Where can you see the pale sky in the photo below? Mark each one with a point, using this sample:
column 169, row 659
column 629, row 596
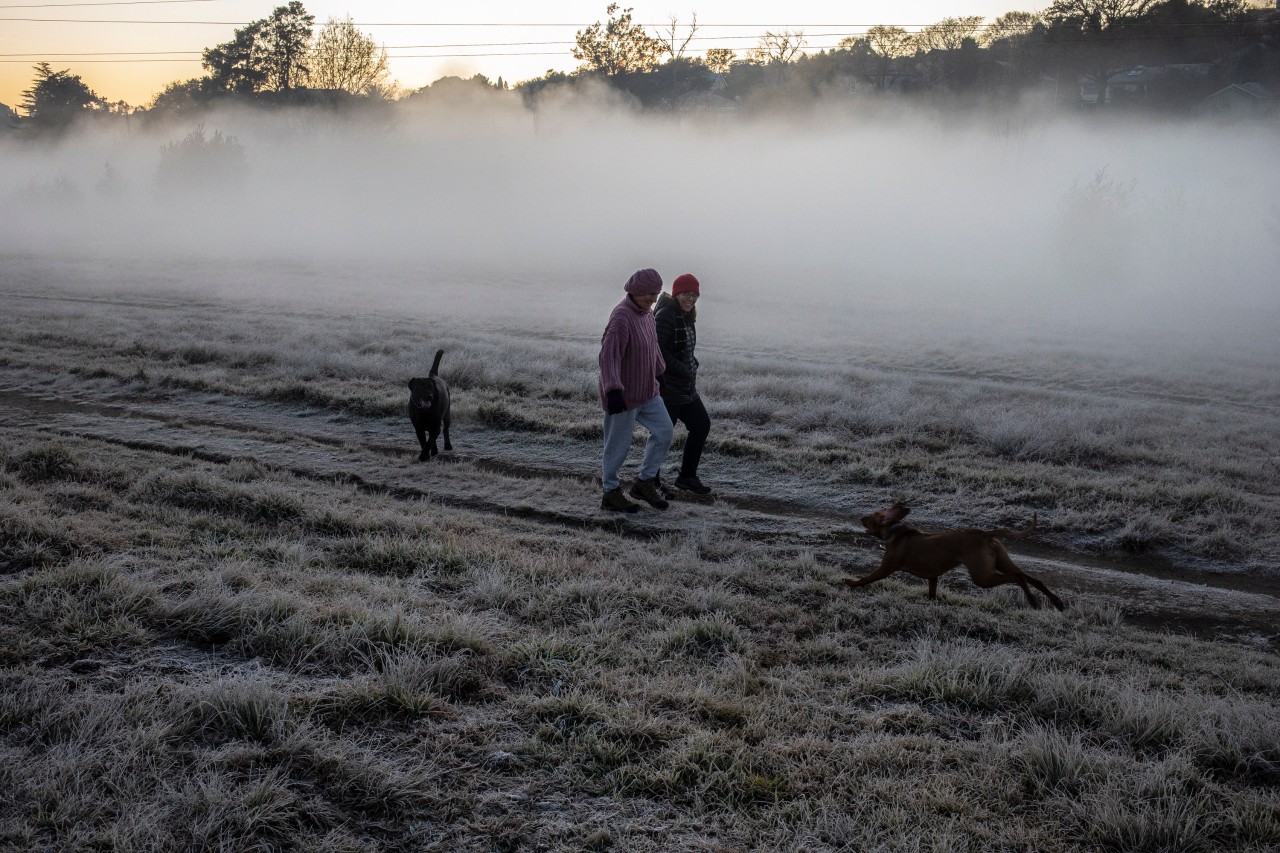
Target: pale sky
column 424, row 40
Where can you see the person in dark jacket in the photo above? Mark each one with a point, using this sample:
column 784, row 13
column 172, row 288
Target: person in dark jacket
column 676, row 315
column 631, row 368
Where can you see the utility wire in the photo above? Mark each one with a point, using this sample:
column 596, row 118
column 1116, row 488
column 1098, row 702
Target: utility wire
column 390, row 47
column 842, row 35
column 23, row 57
column 666, row 25
column 490, row 55
column 111, row 3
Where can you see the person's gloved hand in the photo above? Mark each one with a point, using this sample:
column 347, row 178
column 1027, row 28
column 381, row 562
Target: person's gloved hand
column 614, row 404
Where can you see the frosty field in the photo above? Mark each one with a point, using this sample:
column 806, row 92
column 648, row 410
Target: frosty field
column 236, row 613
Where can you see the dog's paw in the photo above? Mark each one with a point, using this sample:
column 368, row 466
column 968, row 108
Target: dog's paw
column 424, row 456
column 850, row 582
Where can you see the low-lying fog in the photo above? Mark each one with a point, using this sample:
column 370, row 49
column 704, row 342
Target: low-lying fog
column 819, row 226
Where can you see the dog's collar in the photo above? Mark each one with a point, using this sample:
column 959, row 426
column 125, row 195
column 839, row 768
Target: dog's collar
column 892, row 529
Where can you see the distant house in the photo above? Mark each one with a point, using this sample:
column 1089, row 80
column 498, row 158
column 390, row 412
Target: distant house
column 1133, row 84
column 1240, row 100
column 8, row 119
column 1138, row 84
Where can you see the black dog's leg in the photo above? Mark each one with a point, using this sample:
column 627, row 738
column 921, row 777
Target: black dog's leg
column 448, row 445
column 422, row 440
column 432, row 448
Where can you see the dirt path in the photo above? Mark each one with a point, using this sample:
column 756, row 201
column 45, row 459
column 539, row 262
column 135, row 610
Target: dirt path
column 551, row 480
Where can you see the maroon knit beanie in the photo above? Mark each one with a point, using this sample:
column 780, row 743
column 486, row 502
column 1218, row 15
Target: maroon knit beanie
column 644, row 283
column 684, row 284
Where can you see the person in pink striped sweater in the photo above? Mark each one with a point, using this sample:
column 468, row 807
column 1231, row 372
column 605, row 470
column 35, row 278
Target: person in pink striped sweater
column 631, row 368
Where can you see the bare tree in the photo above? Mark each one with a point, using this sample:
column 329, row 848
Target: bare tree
column 943, row 41
column 888, row 44
column 676, row 47
column 342, row 57
column 949, row 33
column 720, row 59
column 618, row 46
column 1010, row 26
column 778, row 47
column 1097, row 16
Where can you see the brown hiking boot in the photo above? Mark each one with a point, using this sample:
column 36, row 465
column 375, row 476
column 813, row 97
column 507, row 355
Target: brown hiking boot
column 647, row 491
column 616, row 501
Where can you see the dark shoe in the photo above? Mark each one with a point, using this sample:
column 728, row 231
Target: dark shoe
column 647, row 491
column 693, row 484
column 666, row 493
column 616, row 501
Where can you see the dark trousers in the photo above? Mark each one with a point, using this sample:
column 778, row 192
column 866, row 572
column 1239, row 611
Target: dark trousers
column 698, row 422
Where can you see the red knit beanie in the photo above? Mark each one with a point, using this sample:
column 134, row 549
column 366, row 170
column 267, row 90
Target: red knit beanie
column 684, row 284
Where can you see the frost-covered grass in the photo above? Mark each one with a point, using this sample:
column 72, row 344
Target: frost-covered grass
column 1124, row 451
column 229, row 653
column 198, row 654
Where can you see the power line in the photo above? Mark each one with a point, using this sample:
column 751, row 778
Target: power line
column 390, row 47
column 806, row 37
column 169, row 54
column 912, row 29
column 491, row 55
column 109, row 3
column 516, row 25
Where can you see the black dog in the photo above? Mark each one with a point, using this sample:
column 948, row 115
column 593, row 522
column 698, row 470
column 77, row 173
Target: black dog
column 429, row 410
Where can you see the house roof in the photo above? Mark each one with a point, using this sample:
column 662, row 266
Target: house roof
column 1255, row 91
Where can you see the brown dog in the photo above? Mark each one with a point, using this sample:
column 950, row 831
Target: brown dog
column 932, row 555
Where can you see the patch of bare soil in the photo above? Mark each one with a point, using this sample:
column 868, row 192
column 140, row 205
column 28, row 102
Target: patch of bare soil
column 552, row 480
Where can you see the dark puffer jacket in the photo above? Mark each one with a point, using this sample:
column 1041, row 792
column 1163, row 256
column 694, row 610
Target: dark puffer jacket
column 677, row 337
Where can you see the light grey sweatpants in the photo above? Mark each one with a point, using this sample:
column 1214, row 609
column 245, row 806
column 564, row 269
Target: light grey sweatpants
column 618, row 428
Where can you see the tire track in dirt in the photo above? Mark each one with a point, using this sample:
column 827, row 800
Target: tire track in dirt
column 376, row 456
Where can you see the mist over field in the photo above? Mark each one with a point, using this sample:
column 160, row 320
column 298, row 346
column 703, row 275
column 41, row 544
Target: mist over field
column 237, row 612
column 835, row 223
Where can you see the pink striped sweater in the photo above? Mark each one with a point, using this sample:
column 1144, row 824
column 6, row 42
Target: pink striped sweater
column 629, row 355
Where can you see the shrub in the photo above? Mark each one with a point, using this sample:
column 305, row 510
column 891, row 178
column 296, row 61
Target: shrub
column 199, row 164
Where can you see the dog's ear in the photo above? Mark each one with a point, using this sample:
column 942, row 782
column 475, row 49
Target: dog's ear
column 895, row 513
column 411, row 381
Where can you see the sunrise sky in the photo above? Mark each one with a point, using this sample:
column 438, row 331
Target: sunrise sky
column 130, row 49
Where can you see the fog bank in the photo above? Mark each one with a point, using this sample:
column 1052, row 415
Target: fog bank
column 836, row 221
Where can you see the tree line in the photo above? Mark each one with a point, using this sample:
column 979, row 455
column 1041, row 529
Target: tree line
column 285, row 59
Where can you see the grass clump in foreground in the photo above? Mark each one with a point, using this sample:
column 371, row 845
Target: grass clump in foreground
column 208, row 659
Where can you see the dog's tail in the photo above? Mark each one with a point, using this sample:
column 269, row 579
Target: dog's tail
column 1006, row 533
column 435, row 365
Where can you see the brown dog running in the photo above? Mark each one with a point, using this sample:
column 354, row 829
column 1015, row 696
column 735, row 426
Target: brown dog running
column 931, row 555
